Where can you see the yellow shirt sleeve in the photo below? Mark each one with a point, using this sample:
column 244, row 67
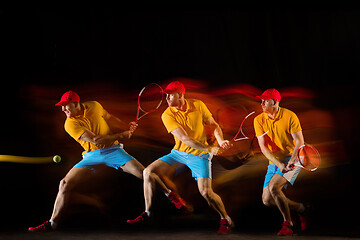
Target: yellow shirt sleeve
column 205, row 111
column 169, row 122
column 294, row 124
column 74, row 128
column 258, row 127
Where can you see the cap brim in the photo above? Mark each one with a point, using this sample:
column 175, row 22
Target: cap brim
column 62, row 103
column 168, row 91
column 263, row 97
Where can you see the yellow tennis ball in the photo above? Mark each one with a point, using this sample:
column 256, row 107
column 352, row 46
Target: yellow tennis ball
column 57, row 158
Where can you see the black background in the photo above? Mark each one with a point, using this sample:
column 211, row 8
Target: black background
column 46, row 53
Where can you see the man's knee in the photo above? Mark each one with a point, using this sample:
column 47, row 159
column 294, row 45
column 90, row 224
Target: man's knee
column 266, row 199
column 274, row 189
column 147, row 173
column 154, row 169
column 206, row 193
column 64, row 186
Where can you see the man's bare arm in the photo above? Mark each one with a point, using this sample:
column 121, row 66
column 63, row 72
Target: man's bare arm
column 114, row 123
column 268, row 154
column 218, row 133
column 181, row 134
column 299, row 141
column 107, row 140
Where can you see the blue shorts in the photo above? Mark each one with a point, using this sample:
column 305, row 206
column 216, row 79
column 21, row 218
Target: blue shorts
column 114, row 157
column 200, row 166
column 289, row 176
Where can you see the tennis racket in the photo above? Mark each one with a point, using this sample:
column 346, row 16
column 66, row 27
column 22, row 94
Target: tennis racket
column 149, row 100
column 307, row 158
column 245, row 129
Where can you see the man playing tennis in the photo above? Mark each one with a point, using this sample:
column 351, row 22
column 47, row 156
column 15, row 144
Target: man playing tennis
column 185, row 119
column 279, row 135
column 91, row 126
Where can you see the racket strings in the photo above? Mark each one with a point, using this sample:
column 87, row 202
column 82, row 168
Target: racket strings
column 309, row 158
column 150, row 98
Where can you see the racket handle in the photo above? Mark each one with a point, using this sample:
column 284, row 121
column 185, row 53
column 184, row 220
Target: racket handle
column 296, row 165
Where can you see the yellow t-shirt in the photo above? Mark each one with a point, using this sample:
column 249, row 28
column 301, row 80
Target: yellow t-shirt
column 192, row 120
column 93, row 121
column 277, row 131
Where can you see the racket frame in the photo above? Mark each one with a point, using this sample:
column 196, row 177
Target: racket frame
column 139, row 106
column 240, row 129
column 298, row 162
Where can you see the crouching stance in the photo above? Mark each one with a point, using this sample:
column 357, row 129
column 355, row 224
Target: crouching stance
column 185, row 118
column 279, row 135
column 92, row 127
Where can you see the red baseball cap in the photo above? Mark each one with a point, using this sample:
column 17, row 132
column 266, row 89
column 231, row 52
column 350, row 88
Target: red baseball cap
column 67, row 98
column 270, row 94
column 175, row 86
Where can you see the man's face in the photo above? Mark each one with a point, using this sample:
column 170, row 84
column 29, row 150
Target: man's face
column 173, row 99
column 267, row 105
column 71, row 109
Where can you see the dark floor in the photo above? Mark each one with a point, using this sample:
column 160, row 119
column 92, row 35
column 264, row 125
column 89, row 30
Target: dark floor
column 330, row 190
column 180, row 234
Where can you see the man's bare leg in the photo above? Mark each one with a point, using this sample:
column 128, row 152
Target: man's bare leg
column 213, row 199
column 270, row 202
column 151, row 180
column 74, row 177
column 134, row 167
column 275, row 188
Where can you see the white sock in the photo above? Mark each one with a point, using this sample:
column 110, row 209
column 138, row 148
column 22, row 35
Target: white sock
column 147, row 213
column 53, row 224
column 167, row 194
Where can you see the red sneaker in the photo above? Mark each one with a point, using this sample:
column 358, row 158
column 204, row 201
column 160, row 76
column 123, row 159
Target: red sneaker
column 224, row 228
column 45, row 227
column 140, row 219
column 180, row 203
column 286, row 229
column 303, row 222
column 304, row 217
